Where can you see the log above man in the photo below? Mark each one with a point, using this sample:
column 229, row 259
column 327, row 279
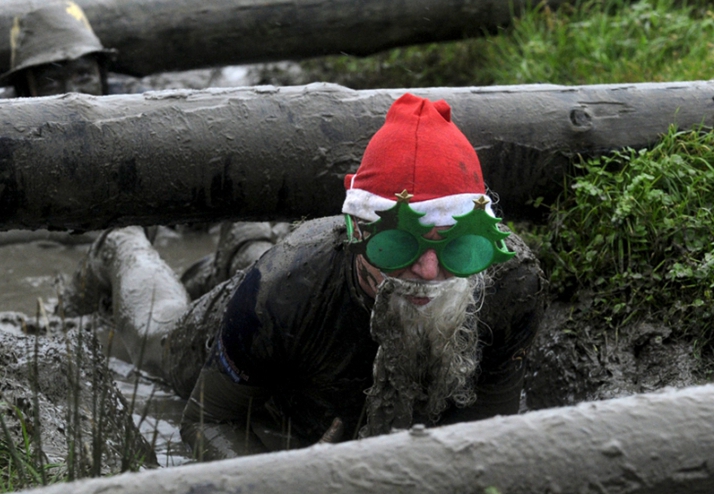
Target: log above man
column 81, row 162
column 415, row 307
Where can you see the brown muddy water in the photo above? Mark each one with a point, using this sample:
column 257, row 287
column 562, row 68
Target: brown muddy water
column 28, row 272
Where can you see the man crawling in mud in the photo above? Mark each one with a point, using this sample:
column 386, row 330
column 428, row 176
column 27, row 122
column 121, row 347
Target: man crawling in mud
column 413, row 308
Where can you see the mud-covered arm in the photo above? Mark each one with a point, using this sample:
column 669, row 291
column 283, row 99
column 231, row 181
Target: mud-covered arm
column 216, row 419
column 509, row 320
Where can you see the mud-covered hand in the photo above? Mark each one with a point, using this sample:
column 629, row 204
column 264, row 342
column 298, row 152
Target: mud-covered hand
column 334, row 433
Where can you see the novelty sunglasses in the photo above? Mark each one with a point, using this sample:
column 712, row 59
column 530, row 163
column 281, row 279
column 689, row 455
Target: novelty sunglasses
column 396, row 240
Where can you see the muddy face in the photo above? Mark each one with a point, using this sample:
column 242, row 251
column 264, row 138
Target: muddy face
column 72, row 76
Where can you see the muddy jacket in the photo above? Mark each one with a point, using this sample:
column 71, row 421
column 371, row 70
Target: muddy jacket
column 294, row 349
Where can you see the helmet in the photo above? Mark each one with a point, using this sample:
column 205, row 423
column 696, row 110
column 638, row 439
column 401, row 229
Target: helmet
column 49, row 34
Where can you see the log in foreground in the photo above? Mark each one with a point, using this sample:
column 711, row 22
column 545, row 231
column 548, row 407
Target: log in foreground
column 85, row 163
column 169, row 35
column 660, row 443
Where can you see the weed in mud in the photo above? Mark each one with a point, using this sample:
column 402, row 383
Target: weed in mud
column 635, row 229
column 19, row 463
column 23, row 462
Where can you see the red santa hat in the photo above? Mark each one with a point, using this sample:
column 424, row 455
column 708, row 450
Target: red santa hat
column 420, row 150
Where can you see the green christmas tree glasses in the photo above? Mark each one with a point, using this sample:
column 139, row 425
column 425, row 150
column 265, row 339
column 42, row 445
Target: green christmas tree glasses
column 396, row 240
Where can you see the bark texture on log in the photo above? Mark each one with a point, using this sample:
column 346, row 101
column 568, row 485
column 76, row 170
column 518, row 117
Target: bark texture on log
column 169, row 35
column 85, row 163
column 660, row 443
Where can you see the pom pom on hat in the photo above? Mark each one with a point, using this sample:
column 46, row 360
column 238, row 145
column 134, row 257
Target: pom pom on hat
column 420, row 150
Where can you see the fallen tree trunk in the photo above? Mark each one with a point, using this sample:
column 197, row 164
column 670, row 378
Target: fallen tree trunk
column 660, row 443
column 85, row 163
column 169, row 35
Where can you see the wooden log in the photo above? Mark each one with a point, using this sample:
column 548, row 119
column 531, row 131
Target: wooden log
column 169, row 35
column 85, row 163
column 661, row 443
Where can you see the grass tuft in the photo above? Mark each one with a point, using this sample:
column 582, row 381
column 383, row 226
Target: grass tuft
column 635, row 229
column 19, row 467
column 606, row 41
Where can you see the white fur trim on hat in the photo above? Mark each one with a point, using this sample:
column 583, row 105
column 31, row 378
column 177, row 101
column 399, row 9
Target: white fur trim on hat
column 439, row 211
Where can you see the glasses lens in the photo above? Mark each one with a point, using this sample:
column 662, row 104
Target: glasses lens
column 467, row 255
column 392, row 249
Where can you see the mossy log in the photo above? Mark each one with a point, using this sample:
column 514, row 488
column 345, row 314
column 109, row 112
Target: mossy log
column 85, row 163
column 661, row 443
column 169, row 35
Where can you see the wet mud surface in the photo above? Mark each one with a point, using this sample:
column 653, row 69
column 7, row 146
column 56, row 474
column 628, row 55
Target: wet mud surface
column 55, row 375
column 572, row 361
column 30, row 271
column 160, row 424
column 569, row 362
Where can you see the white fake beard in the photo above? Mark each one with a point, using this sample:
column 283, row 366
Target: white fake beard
column 427, row 354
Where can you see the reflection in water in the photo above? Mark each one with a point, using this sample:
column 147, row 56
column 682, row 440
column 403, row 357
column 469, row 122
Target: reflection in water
column 28, row 271
column 161, row 425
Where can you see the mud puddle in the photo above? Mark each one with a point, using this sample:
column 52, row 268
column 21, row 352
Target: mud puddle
column 28, row 272
column 160, row 426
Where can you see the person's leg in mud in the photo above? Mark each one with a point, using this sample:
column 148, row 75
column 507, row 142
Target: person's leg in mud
column 147, row 296
column 239, row 245
column 209, row 426
column 152, row 310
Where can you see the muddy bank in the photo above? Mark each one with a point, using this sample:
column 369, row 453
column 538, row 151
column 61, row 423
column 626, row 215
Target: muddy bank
column 609, row 442
column 32, row 270
column 572, row 361
column 56, row 380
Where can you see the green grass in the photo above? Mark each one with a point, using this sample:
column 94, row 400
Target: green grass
column 20, row 465
column 606, row 42
column 23, row 463
column 635, row 229
column 597, row 41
